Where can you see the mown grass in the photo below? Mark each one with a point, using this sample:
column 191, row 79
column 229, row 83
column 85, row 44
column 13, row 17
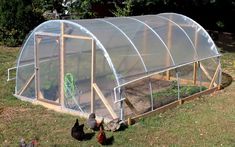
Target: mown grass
column 206, row 121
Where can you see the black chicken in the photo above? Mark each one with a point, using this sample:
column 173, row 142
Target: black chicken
column 77, row 131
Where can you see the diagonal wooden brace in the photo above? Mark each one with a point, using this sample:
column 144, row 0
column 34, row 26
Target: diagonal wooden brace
column 27, row 84
column 207, row 73
column 129, row 104
column 215, row 75
column 104, row 100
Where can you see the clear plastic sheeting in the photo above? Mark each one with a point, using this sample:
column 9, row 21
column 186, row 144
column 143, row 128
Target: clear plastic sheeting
column 204, row 45
column 132, row 53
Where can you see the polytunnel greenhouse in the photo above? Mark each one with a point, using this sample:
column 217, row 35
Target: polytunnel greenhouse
column 120, row 67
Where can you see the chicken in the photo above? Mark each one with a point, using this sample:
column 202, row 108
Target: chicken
column 113, row 125
column 77, row 131
column 92, row 122
column 101, row 137
column 33, row 143
column 22, row 143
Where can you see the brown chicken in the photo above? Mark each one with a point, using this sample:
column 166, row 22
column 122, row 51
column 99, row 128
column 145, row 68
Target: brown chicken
column 101, row 137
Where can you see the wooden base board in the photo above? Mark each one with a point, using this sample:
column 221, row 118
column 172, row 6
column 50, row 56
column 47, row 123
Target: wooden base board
column 172, row 104
column 60, row 109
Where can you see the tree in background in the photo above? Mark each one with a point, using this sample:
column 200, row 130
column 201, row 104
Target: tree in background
column 83, row 9
column 51, row 9
column 17, row 19
column 125, row 9
column 211, row 14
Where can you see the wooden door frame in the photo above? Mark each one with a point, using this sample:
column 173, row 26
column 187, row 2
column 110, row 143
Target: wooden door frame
column 38, row 37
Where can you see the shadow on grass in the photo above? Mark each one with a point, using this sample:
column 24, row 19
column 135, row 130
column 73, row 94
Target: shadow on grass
column 109, row 141
column 226, row 80
column 88, row 136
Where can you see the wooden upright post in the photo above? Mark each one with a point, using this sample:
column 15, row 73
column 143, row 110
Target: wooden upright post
column 62, row 65
column 169, row 43
column 195, row 73
column 195, row 66
column 37, row 89
column 196, row 39
column 93, row 67
column 145, row 40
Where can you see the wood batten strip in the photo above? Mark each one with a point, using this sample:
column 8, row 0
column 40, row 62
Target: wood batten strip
column 77, row 37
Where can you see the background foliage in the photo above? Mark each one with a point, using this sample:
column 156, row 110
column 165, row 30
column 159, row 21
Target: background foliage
column 19, row 17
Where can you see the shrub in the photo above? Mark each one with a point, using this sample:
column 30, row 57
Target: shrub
column 17, row 18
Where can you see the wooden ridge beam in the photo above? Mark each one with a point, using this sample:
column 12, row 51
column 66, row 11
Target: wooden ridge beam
column 77, row 37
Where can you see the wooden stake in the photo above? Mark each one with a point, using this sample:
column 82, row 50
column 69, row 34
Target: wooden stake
column 195, row 73
column 168, row 75
column 180, row 101
column 62, row 51
column 93, row 67
column 104, row 100
column 220, row 74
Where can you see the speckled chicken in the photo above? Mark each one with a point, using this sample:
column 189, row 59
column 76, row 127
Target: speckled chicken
column 77, row 131
column 91, row 122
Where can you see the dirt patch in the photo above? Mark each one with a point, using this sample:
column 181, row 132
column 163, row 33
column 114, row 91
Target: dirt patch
column 7, row 114
column 139, row 94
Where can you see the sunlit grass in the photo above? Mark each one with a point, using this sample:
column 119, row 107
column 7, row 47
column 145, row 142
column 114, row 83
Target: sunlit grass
column 207, row 121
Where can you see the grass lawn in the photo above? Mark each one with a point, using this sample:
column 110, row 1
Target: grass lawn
column 206, row 121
